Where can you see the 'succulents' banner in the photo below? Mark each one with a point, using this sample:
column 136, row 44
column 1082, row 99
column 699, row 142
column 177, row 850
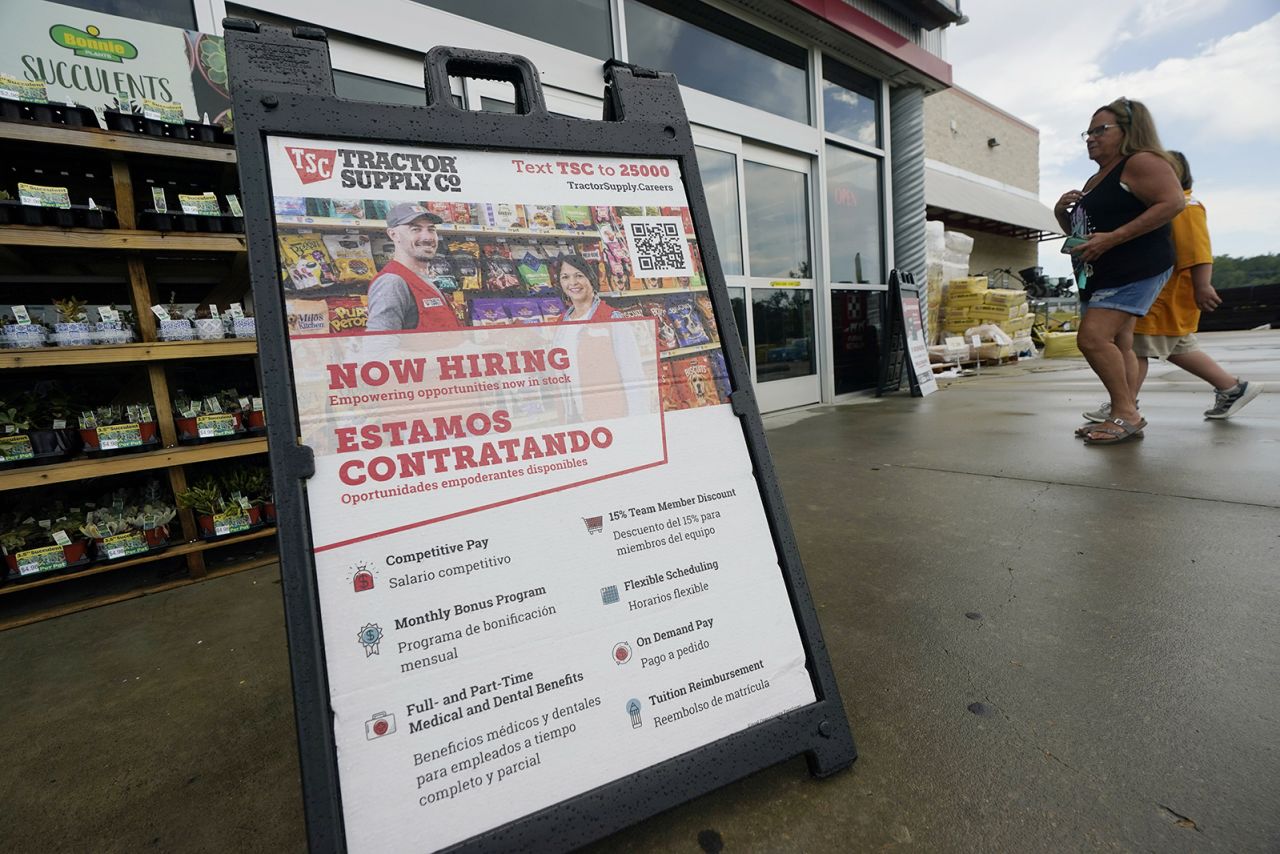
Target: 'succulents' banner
column 542, row 556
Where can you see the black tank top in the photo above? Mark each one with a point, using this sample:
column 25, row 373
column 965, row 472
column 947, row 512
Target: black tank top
column 1107, row 207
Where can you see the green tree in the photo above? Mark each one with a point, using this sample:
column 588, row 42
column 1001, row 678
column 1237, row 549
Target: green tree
column 1232, row 272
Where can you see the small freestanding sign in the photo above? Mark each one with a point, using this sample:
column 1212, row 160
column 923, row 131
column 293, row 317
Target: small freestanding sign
column 538, row 577
column 905, row 344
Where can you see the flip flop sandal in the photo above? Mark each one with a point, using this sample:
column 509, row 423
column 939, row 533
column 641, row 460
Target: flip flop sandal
column 1125, row 433
column 1092, row 427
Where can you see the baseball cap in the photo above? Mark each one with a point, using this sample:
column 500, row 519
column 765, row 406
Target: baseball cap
column 407, row 212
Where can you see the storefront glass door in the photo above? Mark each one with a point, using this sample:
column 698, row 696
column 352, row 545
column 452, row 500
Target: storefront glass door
column 779, row 276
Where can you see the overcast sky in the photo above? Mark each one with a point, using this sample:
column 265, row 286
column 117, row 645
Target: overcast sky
column 1209, row 70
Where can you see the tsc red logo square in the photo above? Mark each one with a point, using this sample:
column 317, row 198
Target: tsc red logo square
column 312, row 164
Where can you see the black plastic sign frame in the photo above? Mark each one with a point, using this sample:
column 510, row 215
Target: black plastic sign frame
column 282, row 85
column 893, row 356
column 896, row 355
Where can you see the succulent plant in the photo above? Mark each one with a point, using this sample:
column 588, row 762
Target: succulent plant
column 71, row 310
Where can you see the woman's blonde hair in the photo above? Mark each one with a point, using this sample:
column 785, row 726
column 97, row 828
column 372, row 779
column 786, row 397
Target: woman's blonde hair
column 1139, row 128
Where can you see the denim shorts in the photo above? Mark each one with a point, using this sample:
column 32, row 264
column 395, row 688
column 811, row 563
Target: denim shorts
column 1134, row 298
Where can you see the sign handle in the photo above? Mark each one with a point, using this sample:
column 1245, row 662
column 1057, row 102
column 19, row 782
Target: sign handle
column 445, row 62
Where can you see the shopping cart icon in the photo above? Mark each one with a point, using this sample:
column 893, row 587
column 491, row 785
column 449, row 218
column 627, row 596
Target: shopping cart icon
column 595, row 524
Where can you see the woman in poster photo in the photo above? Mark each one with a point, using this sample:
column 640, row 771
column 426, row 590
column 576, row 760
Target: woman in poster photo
column 578, row 283
column 608, row 378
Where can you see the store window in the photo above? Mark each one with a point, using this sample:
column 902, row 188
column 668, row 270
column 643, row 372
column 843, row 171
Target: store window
column 581, row 26
column 853, row 216
column 850, row 103
column 717, row 53
column 493, row 105
column 171, row 13
column 782, row 321
column 738, row 300
column 357, row 87
column 719, row 171
column 777, row 222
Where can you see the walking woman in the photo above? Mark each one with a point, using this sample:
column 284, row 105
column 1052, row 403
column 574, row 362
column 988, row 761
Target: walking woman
column 1123, row 254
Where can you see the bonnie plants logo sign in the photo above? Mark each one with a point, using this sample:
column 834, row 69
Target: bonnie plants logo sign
column 90, row 43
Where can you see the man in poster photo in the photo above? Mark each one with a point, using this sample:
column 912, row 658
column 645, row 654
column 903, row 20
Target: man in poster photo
column 402, row 297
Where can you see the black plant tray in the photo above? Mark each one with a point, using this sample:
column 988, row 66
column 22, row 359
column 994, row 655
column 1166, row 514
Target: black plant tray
column 189, row 130
column 15, row 578
column 210, row 538
column 77, row 216
column 132, row 449
column 50, row 114
column 156, row 221
column 154, row 550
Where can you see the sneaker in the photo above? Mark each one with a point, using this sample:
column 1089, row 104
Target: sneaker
column 1101, row 414
column 1230, row 401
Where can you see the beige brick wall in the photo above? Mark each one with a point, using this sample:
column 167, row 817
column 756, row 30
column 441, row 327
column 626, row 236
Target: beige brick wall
column 1015, row 161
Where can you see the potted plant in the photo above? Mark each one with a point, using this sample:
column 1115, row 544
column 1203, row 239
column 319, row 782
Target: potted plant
column 177, row 327
column 207, row 419
column 244, row 327
column 215, row 515
column 72, row 328
column 122, row 417
column 128, row 527
column 31, row 548
column 15, row 427
column 15, row 335
column 52, row 435
column 112, row 331
column 254, row 483
column 255, row 415
column 208, row 327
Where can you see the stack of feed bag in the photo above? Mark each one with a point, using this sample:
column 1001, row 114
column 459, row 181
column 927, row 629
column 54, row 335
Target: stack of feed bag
column 961, row 297
column 1008, row 310
column 946, row 261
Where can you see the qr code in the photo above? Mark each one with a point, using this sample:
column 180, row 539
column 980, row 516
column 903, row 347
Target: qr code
column 658, row 246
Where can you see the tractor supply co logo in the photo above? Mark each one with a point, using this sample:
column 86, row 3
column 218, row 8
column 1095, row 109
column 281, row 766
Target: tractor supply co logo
column 377, row 170
column 90, row 44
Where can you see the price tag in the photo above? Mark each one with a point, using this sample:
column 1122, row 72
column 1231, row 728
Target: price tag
column 60, row 537
column 164, row 111
column 244, row 403
column 211, row 404
column 213, row 426
column 44, row 197
column 158, row 200
column 21, row 315
column 205, row 204
column 18, row 89
column 235, row 311
column 59, row 424
column 230, row 523
column 213, row 312
column 116, row 436
column 161, row 312
column 45, row 559
column 123, row 545
column 257, row 404
column 14, row 448
column 244, row 502
column 234, row 204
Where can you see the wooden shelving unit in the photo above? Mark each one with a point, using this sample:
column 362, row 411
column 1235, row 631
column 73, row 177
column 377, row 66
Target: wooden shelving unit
column 128, row 153
column 150, row 351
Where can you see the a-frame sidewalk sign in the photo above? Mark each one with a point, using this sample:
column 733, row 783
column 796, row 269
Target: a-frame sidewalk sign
column 904, row 337
column 539, row 581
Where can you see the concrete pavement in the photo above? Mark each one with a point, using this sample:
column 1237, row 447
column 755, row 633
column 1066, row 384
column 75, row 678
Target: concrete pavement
column 1041, row 646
